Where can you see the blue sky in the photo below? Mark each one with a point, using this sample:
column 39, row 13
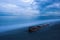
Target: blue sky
column 30, row 7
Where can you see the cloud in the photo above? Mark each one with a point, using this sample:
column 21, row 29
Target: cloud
column 20, row 9
column 29, row 8
column 10, row 8
column 44, row 0
column 52, row 14
column 52, row 9
column 57, row 5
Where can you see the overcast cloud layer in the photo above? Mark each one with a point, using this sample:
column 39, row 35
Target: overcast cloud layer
column 30, row 7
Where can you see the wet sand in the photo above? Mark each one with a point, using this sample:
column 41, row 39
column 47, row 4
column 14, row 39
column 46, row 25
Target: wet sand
column 53, row 33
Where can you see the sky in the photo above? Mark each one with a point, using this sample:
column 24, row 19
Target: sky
column 30, row 8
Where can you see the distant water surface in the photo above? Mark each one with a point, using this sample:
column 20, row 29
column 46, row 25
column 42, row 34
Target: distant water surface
column 10, row 20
